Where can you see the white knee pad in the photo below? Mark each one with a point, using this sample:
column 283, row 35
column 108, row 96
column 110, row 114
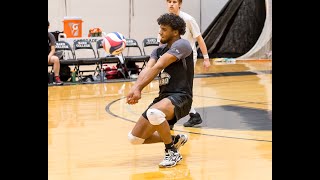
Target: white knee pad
column 155, row 116
column 134, row 140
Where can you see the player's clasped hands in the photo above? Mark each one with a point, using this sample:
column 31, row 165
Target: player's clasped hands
column 133, row 96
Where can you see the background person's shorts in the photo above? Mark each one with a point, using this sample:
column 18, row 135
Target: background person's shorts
column 182, row 105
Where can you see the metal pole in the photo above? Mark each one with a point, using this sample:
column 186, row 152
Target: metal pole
column 65, row 7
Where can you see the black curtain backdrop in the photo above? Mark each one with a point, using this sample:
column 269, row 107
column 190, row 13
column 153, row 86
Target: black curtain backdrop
column 235, row 29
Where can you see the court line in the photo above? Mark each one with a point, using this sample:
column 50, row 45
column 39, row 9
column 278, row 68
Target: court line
column 200, row 75
column 126, row 119
column 249, row 102
column 240, row 73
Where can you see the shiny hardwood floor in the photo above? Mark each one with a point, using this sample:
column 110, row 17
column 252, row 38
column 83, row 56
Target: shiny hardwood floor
column 88, row 126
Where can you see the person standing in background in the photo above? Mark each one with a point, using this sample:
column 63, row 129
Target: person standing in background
column 192, row 34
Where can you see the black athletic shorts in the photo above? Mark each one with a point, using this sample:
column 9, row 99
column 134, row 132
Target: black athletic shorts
column 182, row 105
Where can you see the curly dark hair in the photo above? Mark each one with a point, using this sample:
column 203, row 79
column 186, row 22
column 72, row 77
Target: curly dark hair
column 174, row 21
column 179, row 1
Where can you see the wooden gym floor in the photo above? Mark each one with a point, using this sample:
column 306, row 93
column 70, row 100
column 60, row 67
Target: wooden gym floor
column 88, row 126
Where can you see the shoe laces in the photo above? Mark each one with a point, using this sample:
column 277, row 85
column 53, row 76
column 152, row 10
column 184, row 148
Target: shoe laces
column 168, row 155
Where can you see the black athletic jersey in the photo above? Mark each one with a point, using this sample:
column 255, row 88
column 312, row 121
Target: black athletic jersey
column 178, row 76
column 51, row 41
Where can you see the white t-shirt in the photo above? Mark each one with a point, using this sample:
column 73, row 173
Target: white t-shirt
column 192, row 31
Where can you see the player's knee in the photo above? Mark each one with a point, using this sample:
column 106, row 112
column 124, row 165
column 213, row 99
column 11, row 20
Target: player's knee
column 155, row 116
column 56, row 59
column 134, row 140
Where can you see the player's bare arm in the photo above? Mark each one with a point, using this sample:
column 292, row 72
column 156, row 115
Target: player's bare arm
column 135, row 93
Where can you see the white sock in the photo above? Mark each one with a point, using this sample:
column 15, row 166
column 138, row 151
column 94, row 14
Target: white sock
column 192, row 110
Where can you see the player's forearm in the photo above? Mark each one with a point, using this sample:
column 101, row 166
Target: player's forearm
column 141, row 75
column 147, row 76
column 202, row 46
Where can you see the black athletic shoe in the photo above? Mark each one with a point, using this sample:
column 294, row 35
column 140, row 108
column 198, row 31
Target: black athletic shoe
column 194, row 120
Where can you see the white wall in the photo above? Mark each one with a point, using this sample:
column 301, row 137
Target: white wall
column 209, row 10
column 113, row 15
column 56, row 12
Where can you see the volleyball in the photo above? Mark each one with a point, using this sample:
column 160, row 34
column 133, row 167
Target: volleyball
column 114, row 43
